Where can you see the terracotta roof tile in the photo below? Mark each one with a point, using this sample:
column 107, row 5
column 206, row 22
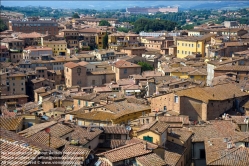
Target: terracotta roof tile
column 84, row 135
column 115, row 143
column 96, row 115
column 13, row 137
column 126, row 152
column 36, row 128
column 11, row 123
column 216, row 128
column 197, row 72
column 173, row 153
column 14, row 154
column 232, row 68
column 218, row 92
column 71, row 65
column 174, row 119
column 7, row 113
column 183, row 69
column 29, row 35
column 182, row 134
column 115, row 130
column 217, row 153
column 43, row 138
column 125, row 64
column 239, row 119
column 137, row 140
column 122, row 108
column 151, row 160
column 155, row 126
column 74, row 155
column 59, row 130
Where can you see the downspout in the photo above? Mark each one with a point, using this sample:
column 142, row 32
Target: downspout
column 193, row 153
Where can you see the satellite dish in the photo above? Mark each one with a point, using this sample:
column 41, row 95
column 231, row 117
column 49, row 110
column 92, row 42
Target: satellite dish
column 128, row 128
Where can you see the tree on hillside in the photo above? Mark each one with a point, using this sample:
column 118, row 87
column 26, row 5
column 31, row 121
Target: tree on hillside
column 145, row 66
column 105, row 41
column 3, row 27
column 76, row 15
column 122, row 29
column 145, row 24
column 104, row 23
column 188, row 27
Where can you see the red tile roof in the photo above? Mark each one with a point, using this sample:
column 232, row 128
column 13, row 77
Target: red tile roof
column 217, row 153
column 125, row 64
column 71, row 65
column 16, row 154
column 74, row 155
column 151, row 160
column 173, row 153
column 13, row 137
column 43, row 138
column 216, row 129
column 11, row 123
column 218, row 92
column 126, row 152
column 155, row 126
column 137, row 140
column 84, row 135
column 115, row 130
column 60, row 130
column 36, row 128
column 115, row 143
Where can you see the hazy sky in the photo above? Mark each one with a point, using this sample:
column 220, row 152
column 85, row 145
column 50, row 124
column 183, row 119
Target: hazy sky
column 121, row 4
column 97, row 4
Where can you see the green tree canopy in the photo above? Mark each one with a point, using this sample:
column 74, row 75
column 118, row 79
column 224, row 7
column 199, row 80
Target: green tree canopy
column 76, row 15
column 104, row 23
column 145, row 66
column 3, row 27
column 121, row 29
column 105, row 41
column 144, row 24
column 188, row 27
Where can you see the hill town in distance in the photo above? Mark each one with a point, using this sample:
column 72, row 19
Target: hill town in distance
column 141, row 85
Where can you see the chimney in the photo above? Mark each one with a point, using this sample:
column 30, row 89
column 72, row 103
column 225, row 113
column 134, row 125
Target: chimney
column 145, row 146
column 229, row 145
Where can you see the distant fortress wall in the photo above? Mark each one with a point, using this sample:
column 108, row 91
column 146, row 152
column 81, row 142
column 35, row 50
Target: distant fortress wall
column 136, row 10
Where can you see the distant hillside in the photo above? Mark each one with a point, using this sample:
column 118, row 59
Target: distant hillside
column 222, row 5
column 106, row 5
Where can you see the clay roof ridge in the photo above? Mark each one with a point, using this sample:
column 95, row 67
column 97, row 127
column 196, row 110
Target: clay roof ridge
column 122, row 147
column 226, row 154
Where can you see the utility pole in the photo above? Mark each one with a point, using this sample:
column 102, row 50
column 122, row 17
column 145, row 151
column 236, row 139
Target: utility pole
column 49, row 139
column 47, row 130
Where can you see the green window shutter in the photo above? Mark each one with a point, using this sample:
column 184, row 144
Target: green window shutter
column 150, row 139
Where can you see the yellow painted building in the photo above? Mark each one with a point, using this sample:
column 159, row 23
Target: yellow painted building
column 154, row 132
column 198, row 75
column 59, row 47
column 182, row 72
column 99, row 39
column 144, row 40
column 189, row 72
column 119, row 40
column 182, row 75
column 192, row 45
